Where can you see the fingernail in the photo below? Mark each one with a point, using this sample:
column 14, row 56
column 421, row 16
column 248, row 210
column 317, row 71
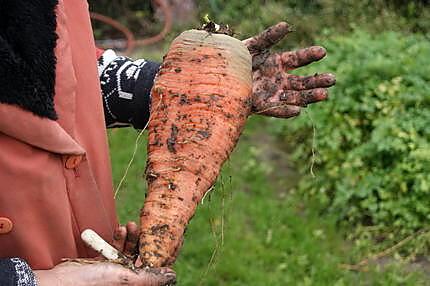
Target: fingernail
column 283, row 26
column 170, row 275
column 318, row 51
column 131, row 223
column 166, row 270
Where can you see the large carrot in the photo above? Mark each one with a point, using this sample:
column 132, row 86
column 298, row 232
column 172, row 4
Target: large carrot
column 200, row 102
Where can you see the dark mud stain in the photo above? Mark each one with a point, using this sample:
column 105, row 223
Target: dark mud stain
column 183, row 99
column 159, row 229
column 172, row 186
column 204, row 133
column 171, row 141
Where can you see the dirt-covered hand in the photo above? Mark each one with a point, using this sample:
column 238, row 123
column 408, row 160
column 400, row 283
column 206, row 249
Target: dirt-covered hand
column 126, row 239
column 99, row 271
column 277, row 93
column 103, row 274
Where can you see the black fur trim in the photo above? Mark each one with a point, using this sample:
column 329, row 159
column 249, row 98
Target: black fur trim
column 27, row 56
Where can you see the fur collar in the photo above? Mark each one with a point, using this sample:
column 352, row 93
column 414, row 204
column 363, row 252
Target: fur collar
column 27, row 57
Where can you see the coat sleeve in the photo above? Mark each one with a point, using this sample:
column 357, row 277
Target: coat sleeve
column 16, row 272
column 126, row 86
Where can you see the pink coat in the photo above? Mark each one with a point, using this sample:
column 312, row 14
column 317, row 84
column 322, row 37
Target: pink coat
column 55, row 176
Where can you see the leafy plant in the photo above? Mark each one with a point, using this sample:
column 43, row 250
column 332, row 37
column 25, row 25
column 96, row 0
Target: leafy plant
column 372, row 149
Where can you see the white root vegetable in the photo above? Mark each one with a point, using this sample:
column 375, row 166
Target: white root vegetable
column 93, row 240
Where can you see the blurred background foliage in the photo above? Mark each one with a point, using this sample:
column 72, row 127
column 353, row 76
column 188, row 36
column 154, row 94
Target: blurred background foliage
column 368, row 147
column 372, row 138
column 310, row 19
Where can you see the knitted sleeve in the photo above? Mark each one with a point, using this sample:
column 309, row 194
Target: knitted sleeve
column 126, row 85
column 16, row 272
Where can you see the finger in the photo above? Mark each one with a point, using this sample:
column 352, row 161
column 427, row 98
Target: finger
column 267, row 38
column 119, row 237
column 138, row 263
column 302, row 57
column 156, row 277
column 303, row 97
column 309, row 82
column 130, row 247
column 280, row 110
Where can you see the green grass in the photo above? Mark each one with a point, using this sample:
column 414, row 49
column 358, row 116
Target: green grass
column 253, row 229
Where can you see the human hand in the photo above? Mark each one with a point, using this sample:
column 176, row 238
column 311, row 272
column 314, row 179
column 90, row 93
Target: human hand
column 102, row 273
column 126, row 239
column 98, row 271
column 275, row 92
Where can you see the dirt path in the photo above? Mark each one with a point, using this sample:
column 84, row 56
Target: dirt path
column 282, row 173
column 284, row 176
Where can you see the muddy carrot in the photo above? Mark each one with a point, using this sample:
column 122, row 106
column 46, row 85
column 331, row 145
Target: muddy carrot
column 200, row 102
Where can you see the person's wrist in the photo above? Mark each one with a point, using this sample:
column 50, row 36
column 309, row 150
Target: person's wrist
column 46, row 277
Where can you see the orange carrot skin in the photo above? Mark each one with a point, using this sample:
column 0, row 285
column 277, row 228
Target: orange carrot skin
column 200, row 102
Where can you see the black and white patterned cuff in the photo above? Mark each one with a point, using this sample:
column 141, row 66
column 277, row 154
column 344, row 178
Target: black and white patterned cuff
column 16, row 272
column 126, row 87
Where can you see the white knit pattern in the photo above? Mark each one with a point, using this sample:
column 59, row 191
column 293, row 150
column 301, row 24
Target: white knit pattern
column 105, row 59
column 25, row 277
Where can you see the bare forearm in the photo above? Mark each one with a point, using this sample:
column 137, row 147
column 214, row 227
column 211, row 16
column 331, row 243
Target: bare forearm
column 46, row 278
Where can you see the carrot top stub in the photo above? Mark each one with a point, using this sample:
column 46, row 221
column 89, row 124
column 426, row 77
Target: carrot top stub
column 200, row 102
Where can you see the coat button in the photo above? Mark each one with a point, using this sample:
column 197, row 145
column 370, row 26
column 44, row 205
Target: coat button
column 6, row 225
column 72, row 161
